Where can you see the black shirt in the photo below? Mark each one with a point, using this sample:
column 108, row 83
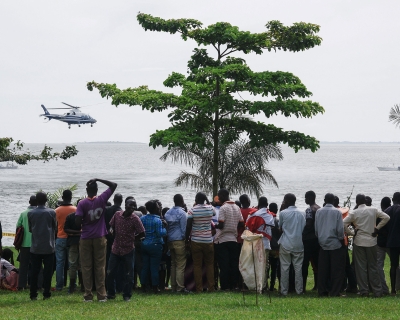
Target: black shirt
column 110, row 211
column 70, row 224
column 309, row 229
column 393, row 226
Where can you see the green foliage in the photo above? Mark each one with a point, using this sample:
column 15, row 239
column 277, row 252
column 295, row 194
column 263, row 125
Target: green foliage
column 54, row 197
column 20, row 156
column 210, row 103
column 242, row 168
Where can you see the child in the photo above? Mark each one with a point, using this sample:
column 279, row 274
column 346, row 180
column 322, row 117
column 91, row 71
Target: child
column 8, row 273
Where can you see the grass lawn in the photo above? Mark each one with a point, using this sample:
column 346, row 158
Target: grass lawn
column 220, row 305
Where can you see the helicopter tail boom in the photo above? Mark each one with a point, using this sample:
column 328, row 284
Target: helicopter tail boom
column 45, row 110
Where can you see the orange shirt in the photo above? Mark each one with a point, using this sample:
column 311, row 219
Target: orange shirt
column 345, row 213
column 61, row 214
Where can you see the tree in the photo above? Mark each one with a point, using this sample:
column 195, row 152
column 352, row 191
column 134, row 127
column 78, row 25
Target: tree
column 241, row 168
column 210, row 102
column 20, row 156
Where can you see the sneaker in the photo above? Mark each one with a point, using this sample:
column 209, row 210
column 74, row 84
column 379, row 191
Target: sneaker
column 127, row 299
column 110, row 297
column 185, row 291
column 102, row 300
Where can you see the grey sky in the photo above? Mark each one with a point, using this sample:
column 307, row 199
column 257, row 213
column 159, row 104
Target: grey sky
column 50, row 49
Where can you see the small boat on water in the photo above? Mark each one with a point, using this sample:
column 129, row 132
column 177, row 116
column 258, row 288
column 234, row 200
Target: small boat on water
column 389, row 168
column 8, row 166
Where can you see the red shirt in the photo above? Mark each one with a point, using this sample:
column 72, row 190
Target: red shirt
column 125, row 229
column 245, row 213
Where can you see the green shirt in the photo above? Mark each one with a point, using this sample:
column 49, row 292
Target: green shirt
column 23, row 221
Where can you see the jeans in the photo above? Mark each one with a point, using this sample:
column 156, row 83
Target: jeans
column 151, row 255
column 61, row 254
column 127, row 261
column 37, row 260
column 381, row 253
column 73, row 260
column 93, row 258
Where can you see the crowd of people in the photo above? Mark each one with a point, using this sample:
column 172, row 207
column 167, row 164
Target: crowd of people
column 108, row 250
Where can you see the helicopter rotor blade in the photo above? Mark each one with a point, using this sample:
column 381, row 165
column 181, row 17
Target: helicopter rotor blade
column 60, row 108
column 70, row 105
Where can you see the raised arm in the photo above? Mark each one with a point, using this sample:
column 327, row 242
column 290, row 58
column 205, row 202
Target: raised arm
column 111, row 185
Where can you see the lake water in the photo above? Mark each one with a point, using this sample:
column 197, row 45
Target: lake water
column 136, row 167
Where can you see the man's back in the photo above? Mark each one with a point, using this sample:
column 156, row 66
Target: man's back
column 230, row 215
column 92, row 212
column 329, row 227
column 61, row 214
column 292, row 222
column 23, row 221
column 393, row 226
column 176, row 220
column 42, row 224
column 201, row 230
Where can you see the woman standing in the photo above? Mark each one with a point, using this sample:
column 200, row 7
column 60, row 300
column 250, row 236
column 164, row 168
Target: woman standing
column 152, row 245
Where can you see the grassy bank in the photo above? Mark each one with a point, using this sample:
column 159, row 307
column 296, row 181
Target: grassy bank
column 220, row 305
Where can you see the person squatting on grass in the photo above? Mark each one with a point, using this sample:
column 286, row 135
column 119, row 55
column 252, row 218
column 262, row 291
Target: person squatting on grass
column 189, row 235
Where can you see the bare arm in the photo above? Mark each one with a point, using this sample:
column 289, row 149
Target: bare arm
column 111, row 185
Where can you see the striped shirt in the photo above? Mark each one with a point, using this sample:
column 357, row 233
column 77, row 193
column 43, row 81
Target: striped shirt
column 230, row 215
column 201, row 228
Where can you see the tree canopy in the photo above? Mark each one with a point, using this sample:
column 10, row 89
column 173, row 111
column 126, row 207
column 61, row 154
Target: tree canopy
column 210, row 103
column 17, row 154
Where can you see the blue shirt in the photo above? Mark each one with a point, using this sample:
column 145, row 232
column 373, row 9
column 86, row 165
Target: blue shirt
column 154, row 229
column 292, row 222
column 176, row 220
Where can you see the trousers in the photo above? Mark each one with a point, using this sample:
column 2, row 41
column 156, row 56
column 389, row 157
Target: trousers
column 286, row 258
column 200, row 252
column 178, row 264
column 93, row 258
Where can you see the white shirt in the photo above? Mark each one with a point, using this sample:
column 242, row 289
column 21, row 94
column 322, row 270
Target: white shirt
column 364, row 219
column 292, row 222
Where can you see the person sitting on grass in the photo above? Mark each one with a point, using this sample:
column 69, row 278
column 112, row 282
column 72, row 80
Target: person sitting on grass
column 8, row 273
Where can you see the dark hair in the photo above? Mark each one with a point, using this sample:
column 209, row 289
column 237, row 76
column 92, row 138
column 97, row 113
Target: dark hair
column 143, row 210
column 336, row 201
column 386, row 202
column 67, row 195
column 360, row 198
column 329, row 198
column 262, row 202
column 244, row 199
column 178, row 199
column 92, row 186
column 118, row 198
column 237, row 202
column 164, row 210
column 273, row 207
column 8, row 255
column 290, row 199
column 152, row 207
column 311, row 195
column 396, row 196
column 41, row 198
column 201, row 198
column 224, row 193
column 32, row 201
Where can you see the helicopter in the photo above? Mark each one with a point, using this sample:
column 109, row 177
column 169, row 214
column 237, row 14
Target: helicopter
column 74, row 116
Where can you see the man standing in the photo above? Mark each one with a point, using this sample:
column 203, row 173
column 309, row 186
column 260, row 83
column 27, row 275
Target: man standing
column 393, row 239
column 261, row 222
column 42, row 225
column 365, row 245
column 24, row 252
column 310, row 241
column 109, row 213
column 291, row 222
column 229, row 220
column 332, row 256
column 125, row 226
column 74, row 234
column 176, row 219
column 61, row 242
column 93, row 243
